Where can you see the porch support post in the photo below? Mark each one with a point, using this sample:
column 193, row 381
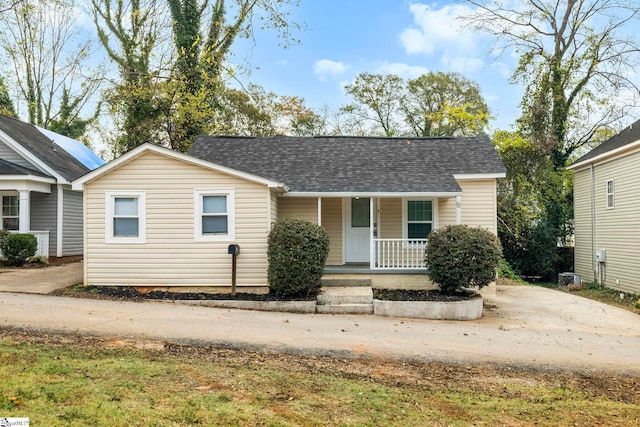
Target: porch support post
column 319, row 210
column 458, row 210
column 24, row 211
column 372, row 244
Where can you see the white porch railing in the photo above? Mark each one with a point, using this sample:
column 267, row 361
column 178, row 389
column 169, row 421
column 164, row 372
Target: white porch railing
column 398, row 254
column 43, row 242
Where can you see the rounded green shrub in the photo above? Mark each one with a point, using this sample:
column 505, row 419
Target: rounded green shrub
column 297, row 253
column 459, row 256
column 18, row 248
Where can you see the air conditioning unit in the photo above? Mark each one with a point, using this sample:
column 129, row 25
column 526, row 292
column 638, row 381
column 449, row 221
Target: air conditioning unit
column 566, row 279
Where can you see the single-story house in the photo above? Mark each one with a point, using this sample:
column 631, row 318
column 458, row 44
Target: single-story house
column 36, row 170
column 606, row 220
column 158, row 218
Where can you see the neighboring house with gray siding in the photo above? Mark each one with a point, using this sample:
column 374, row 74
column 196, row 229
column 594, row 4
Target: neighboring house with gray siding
column 36, row 170
column 607, row 223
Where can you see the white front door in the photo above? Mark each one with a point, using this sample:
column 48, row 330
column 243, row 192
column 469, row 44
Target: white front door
column 357, row 230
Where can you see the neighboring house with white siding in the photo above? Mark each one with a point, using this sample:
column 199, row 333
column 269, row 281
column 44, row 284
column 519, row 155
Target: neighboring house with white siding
column 606, row 220
column 158, row 218
column 36, row 170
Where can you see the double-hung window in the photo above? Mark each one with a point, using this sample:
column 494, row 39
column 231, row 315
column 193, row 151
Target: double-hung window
column 125, row 217
column 10, row 213
column 418, row 219
column 214, row 215
column 610, row 194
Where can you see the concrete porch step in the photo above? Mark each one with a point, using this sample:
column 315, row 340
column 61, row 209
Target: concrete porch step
column 344, row 282
column 334, row 295
column 345, row 309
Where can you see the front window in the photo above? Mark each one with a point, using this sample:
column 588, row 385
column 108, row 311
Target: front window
column 214, row 215
column 125, row 217
column 126, row 220
column 419, row 219
column 10, row 213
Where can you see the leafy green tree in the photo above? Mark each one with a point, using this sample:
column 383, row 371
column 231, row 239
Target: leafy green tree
column 575, row 58
column 444, row 104
column 134, row 27
column 6, row 104
column 68, row 122
column 434, row 104
column 49, row 58
column 202, row 44
column 377, row 100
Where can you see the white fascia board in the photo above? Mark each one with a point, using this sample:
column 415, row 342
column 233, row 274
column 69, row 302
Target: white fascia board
column 469, row 176
column 26, row 154
column 603, row 156
column 20, row 182
column 79, row 183
column 372, row 194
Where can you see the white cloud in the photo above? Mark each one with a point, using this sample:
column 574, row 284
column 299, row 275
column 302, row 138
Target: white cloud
column 325, row 69
column 438, row 29
column 462, row 64
column 403, row 70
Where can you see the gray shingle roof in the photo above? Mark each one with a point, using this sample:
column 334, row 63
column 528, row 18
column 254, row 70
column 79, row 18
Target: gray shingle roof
column 626, row 136
column 8, row 168
column 43, row 148
column 354, row 164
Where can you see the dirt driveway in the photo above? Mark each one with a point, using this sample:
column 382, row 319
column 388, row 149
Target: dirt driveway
column 40, row 280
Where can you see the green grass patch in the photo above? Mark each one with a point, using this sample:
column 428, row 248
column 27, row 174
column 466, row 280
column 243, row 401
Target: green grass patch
column 69, row 384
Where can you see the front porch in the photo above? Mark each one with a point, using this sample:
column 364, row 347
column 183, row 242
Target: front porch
column 377, row 235
column 18, row 205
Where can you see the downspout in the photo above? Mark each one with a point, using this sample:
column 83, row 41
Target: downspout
column 593, row 221
column 320, row 211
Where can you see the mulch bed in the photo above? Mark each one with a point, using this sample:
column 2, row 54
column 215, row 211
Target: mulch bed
column 420, row 295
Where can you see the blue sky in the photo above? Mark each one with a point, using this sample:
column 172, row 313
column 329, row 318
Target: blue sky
column 345, row 37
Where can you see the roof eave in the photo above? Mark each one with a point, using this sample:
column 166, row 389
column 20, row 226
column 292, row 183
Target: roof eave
column 374, row 193
column 80, row 182
column 600, row 157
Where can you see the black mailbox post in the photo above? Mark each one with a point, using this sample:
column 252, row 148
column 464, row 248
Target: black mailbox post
column 234, row 251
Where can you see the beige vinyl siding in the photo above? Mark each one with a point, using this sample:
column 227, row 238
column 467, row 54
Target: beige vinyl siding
column 171, row 256
column 479, row 203
column 299, row 207
column 582, row 224
column 618, row 230
column 446, row 211
column 332, row 223
column 390, row 218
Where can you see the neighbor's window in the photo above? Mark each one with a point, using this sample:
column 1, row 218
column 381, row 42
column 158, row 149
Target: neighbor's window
column 610, row 193
column 10, row 213
column 419, row 218
column 214, row 215
column 126, row 217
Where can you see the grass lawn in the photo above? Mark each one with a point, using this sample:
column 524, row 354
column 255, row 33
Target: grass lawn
column 76, row 381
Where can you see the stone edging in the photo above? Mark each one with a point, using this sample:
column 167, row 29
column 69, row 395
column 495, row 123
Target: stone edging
column 470, row 309
column 436, row 310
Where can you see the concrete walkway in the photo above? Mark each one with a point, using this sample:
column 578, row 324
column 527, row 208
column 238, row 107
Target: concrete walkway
column 523, row 326
column 40, row 280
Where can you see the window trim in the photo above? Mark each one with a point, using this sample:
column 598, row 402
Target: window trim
column 2, row 217
column 611, row 194
column 405, row 214
column 110, row 197
column 198, row 197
